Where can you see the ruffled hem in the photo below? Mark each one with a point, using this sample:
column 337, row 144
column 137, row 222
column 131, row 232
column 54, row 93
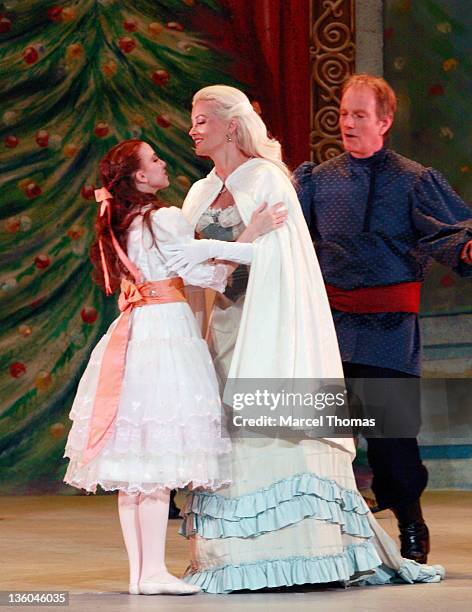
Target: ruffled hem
column 283, row 503
column 357, row 559
column 133, row 474
column 135, row 488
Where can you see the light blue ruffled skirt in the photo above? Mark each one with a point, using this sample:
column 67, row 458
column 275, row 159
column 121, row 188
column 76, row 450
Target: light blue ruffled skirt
column 292, row 516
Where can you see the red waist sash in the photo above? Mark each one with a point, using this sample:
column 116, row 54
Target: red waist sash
column 403, row 297
column 110, row 379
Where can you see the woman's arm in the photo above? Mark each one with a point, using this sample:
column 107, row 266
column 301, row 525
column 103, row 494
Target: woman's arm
column 193, row 252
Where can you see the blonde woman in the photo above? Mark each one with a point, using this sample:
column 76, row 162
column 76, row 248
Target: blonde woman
column 293, row 514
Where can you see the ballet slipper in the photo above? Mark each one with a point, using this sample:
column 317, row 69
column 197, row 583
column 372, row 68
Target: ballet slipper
column 176, row 587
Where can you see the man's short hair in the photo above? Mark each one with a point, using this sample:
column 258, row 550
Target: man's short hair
column 386, row 100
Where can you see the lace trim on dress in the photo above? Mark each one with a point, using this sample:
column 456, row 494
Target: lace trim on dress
column 226, row 217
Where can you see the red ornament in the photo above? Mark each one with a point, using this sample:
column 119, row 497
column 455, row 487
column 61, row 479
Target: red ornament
column 436, row 90
column 30, row 55
column 55, row 13
column 42, row 262
column 101, row 129
column 33, row 190
column 127, row 44
column 388, row 33
column 174, row 25
column 5, row 24
column 89, row 315
column 11, row 142
column 160, row 77
column 17, row 369
column 130, row 25
column 42, row 138
column 447, row 281
column 88, row 192
column 163, row 121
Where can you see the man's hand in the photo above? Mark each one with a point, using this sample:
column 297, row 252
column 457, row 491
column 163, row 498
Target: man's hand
column 466, row 253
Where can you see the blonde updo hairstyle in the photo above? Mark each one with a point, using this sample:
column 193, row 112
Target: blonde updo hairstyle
column 251, row 132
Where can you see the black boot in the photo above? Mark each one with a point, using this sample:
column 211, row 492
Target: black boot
column 174, row 512
column 414, row 534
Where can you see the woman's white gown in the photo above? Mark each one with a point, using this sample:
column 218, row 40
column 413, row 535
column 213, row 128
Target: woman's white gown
column 293, row 514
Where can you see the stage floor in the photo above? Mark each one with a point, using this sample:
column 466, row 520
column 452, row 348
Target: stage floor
column 58, row 543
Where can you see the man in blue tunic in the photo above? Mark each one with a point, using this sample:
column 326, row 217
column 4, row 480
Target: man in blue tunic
column 377, row 219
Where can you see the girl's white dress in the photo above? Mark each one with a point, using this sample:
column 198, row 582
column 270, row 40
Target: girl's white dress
column 168, row 430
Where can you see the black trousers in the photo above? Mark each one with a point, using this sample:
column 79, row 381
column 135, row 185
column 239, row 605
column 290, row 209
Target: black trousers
column 399, row 477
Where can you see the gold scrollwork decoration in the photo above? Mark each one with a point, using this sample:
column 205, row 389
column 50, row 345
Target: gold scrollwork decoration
column 332, row 56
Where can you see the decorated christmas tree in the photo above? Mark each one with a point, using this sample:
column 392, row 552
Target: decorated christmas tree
column 75, row 78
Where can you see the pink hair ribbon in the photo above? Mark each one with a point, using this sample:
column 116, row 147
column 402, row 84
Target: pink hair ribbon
column 103, row 197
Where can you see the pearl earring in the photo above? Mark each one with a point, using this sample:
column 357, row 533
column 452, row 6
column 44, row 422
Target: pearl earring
column 228, row 138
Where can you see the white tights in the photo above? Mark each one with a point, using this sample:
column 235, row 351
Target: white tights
column 143, row 519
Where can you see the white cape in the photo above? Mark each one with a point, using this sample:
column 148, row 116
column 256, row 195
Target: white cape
column 286, row 329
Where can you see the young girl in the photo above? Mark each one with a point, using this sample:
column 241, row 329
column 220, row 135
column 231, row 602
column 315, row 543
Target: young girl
column 147, row 415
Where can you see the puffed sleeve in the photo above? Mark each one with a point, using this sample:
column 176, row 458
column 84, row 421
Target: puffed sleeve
column 304, row 183
column 443, row 220
column 170, row 227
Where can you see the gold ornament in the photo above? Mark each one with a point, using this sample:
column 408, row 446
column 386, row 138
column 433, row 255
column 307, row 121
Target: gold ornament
column 23, row 184
column 70, row 150
column 43, row 381
column 183, row 181
column 450, row 64
column 68, row 14
column 155, row 28
column 110, row 68
column 74, row 51
column 75, row 232
column 57, row 430
column 12, row 225
column 138, row 120
column 25, row 330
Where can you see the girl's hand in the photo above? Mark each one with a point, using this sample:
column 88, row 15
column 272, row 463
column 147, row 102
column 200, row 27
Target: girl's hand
column 265, row 219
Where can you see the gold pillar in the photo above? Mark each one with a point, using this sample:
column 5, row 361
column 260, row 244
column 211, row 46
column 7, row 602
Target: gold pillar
column 332, row 59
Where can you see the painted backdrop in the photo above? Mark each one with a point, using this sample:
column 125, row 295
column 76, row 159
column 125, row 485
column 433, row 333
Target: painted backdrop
column 75, row 78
